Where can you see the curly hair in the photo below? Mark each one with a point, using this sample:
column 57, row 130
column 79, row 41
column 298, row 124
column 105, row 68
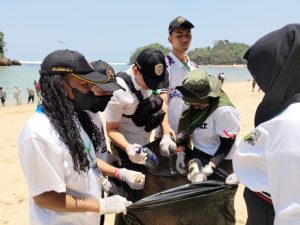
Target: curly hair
column 90, row 128
column 60, row 111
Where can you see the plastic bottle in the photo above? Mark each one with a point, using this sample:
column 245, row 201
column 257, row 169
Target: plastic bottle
column 152, row 160
column 172, row 159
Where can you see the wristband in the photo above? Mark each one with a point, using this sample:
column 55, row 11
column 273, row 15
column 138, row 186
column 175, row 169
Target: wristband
column 117, row 174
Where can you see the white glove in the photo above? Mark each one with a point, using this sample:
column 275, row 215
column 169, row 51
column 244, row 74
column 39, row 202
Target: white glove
column 165, row 144
column 195, row 171
column 135, row 180
column 180, row 165
column 207, row 170
column 134, row 155
column 232, row 179
column 113, row 204
column 196, row 177
column 107, row 186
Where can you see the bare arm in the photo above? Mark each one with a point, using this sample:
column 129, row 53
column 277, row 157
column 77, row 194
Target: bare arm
column 105, row 168
column 165, row 126
column 115, row 135
column 63, row 202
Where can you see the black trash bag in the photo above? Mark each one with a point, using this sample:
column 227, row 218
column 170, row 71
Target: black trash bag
column 206, row 203
column 169, row 198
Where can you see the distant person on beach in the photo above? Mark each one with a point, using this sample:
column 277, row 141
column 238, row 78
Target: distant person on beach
column 37, row 88
column 30, row 93
column 221, row 77
column 2, row 96
column 267, row 160
column 179, row 64
column 17, row 95
column 253, row 85
column 58, row 146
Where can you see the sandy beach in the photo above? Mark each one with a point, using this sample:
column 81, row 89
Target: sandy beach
column 14, row 193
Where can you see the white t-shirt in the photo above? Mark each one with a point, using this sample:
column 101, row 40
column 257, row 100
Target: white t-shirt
column 102, row 153
column 268, row 159
column 126, row 102
column 177, row 70
column 223, row 122
column 48, row 166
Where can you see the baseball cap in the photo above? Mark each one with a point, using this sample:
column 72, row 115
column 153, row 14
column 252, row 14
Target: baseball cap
column 198, row 85
column 68, row 61
column 107, row 71
column 152, row 64
column 180, row 22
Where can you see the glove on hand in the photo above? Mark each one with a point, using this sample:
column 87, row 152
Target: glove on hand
column 134, row 155
column 165, row 144
column 113, row 204
column 135, row 180
column 232, row 179
column 196, row 177
column 195, row 171
column 107, row 186
column 207, row 170
column 180, row 165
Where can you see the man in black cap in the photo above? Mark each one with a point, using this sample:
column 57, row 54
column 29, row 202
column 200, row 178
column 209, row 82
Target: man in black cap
column 180, row 37
column 129, row 116
column 58, row 145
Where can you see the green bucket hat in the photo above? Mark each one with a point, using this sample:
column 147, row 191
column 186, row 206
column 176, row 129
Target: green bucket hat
column 198, row 85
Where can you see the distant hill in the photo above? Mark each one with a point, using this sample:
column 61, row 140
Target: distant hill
column 222, row 53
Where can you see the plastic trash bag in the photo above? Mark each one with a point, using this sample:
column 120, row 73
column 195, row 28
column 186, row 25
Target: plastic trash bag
column 169, row 198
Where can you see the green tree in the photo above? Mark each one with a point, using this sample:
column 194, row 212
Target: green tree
column 2, row 44
column 153, row 45
column 222, row 53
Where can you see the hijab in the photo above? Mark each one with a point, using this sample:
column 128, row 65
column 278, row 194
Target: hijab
column 274, row 62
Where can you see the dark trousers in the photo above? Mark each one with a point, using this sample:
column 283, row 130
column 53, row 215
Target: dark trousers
column 30, row 98
column 259, row 211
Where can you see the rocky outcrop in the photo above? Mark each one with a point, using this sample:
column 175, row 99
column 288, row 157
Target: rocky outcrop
column 16, row 62
column 7, row 62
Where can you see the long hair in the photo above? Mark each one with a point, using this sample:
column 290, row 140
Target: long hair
column 90, row 128
column 60, row 111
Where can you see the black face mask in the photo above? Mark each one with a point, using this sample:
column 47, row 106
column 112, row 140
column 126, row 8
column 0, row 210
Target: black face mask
column 89, row 101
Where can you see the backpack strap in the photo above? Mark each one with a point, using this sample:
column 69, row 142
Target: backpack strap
column 129, row 83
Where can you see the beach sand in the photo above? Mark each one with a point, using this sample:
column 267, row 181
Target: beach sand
column 13, row 189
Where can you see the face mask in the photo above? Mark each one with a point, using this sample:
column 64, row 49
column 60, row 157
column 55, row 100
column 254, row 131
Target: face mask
column 89, row 101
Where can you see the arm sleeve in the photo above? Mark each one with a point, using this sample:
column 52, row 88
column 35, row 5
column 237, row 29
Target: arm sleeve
column 224, row 148
column 43, row 167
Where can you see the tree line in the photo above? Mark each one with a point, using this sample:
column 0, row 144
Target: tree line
column 223, row 52
column 2, row 45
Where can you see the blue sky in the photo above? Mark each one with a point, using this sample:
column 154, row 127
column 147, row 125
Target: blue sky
column 111, row 30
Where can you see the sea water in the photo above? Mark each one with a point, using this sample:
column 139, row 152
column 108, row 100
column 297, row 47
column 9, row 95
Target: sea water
column 23, row 76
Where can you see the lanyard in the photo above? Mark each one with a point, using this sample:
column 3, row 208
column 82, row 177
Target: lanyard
column 93, row 162
column 186, row 66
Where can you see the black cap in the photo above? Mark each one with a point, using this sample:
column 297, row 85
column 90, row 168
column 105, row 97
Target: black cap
column 67, row 61
column 152, row 64
column 180, row 22
column 108, row 73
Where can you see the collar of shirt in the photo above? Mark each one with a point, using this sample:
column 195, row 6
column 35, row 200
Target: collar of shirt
column 179, row 63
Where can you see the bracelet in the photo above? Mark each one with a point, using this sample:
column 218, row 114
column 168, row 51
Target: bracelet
column 117, row 174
